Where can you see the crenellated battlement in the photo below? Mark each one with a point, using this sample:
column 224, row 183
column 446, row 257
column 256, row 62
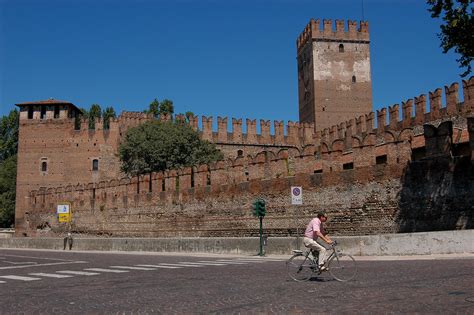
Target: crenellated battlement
column 327, row 32
column 414, row 112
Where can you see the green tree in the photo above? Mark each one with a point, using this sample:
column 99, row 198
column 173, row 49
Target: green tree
column 109, row 113
column 7, row 191
column 166, row 107
column 8, row 150
column 154, row 108
column 458, row 29
column 9, row 135
column 157, row 146
column 94, row 112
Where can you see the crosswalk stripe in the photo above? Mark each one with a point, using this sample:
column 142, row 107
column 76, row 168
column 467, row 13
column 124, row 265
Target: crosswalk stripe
column 212, row 263
column 81, row 273
column 21, row 278
column 49, row 275
column 160, row 266
column 203, row 263
column 131, row 268
column 181, row 265
column 227, row 262
column 2, row 282
column 106, row 270
column 232, row 262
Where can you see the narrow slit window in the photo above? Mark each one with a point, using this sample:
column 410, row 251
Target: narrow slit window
column 341, row 48
column 354, row 79
column 95, row 165
column 44, row 166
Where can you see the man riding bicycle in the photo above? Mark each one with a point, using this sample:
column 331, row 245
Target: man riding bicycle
column 313, row 231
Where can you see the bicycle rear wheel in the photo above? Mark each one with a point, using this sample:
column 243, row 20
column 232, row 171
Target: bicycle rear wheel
column 343, row 267
column 299, row 268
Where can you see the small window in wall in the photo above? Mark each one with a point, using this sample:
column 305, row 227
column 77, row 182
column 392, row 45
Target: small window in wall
column 56, row 111
column 381, row 159
column 240, row 153
column 95, row 165
column 341, row 48
column 43, row 112
column 44, row 166
column 30, row 113
column 318, row 171
column 348, row 166
column 354, row 79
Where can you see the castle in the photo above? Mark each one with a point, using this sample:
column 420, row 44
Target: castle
column 410, row 172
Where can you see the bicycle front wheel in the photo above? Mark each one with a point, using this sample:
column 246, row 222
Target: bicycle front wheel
column 299, row 268
column 343, row 267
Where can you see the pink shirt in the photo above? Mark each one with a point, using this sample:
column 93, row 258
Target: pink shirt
column 313, row 226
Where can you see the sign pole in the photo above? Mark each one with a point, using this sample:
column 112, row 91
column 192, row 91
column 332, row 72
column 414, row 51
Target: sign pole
column 297, row 199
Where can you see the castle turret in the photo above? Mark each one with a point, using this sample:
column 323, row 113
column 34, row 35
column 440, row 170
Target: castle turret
column 48, row 109
column 334, row 82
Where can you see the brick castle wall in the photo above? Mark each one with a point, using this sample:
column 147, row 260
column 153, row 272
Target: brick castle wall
column 396, row 176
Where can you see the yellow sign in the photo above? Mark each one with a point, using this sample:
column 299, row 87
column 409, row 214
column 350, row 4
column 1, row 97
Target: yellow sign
column 64, row 212
column 64, row 217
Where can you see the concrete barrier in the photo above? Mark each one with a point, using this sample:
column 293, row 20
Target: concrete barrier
column 444, row 242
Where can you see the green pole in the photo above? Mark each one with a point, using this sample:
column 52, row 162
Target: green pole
column 261, row 236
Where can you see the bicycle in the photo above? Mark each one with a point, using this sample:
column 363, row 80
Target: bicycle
column 301, row 266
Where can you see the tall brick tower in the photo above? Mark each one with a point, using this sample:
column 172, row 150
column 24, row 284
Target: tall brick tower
column 334, row 82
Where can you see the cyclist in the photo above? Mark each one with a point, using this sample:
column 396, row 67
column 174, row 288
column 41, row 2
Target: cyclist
column 313, row 231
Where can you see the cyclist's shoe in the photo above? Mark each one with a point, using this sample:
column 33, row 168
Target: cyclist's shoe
column 323, row 268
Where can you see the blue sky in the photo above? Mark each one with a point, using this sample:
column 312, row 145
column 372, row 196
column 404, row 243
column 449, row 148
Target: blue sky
column 214, row 58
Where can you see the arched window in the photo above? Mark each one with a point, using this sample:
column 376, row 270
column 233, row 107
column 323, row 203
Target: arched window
column 341, row 48
column 44, row 166
column 95, row 165
column 353, row 79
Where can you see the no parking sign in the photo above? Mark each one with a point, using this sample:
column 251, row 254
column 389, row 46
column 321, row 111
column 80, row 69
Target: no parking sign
column 296, row 195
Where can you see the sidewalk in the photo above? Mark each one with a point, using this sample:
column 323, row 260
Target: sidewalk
column 269, row 257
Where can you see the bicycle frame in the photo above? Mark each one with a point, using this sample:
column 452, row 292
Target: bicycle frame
column 314, row 262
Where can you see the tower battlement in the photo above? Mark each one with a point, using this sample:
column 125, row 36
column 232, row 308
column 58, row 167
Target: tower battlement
column 327, row 32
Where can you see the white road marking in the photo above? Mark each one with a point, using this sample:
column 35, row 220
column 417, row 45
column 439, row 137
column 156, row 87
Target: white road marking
column 181, row 265
column 2, row 282
column 131, row 268
column 81, row 273
column 21, row 278
column 106, row 270
column 230, row 262
column 40, row 258
column 49, row 275
column 49, row 264
column 204, row 263
column 20, row 262
column 159, row 266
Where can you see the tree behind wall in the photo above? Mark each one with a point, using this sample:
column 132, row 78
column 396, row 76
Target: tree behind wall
column 157, row 146
column 8, row 151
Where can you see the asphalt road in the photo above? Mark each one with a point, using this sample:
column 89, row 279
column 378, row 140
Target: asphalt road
column 53, row 282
